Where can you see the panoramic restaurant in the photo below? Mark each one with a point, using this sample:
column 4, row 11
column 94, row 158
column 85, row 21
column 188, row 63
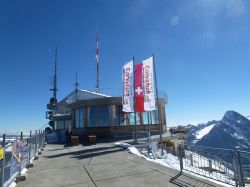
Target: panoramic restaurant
column 92, row 113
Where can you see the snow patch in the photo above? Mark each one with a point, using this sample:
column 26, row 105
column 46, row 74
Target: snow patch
column 122, row 145
column 204, row 131
column 238, row 136
column 13, row 184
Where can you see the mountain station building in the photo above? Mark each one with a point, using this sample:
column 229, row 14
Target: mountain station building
column 92, row 113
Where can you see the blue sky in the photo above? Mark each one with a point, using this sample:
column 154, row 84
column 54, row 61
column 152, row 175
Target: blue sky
column 201, row 48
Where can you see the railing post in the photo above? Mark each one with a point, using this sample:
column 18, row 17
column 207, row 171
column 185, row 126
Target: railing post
column 235, row 169
column 241, row 177
column 3, row 162
column 210, row 166
column 238, row 174
column 39, row 139
column 36, row 142
column 29, row 143
column 191, row 159
column 42, row 139
column 180, row 157
column 149, row 138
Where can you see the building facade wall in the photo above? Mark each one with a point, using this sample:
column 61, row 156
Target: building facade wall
column 104, row 117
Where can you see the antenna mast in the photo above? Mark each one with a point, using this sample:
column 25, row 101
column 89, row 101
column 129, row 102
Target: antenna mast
column 97, row 61
column 54, row 89
column 76, row 86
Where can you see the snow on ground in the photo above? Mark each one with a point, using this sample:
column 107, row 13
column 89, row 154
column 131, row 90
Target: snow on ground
column 167, row 160
column 13, row 184
column 204, row 131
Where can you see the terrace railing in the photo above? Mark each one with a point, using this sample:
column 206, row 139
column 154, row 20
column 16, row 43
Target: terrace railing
column 16, row 154
column 225, row 165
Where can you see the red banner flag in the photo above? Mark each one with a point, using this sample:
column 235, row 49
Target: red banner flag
column 139, row 88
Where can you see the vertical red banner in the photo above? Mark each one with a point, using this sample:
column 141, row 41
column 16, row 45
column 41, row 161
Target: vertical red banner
column 139, row 88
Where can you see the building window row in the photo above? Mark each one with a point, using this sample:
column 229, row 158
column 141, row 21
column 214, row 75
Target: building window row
column 106, row 115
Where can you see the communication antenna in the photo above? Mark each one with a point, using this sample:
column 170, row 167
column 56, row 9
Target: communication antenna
column 76, row 86
column 97, row 61
column 54, row 89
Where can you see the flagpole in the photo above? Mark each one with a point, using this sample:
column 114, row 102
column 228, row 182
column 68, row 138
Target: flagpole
column 157, row 100
column 134, row 102
column 148, row 127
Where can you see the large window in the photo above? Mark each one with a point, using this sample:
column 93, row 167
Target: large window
column 146, row 118
column 155, row 117
column 120, row 118
column 150, row 117
column 132, row 119
column 59, row 124
column 63, row 124
column 67, row 123
column 98, row 116
column 79, row 118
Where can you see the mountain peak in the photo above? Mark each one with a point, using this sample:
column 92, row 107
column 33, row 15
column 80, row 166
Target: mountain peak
column 234, row 118
column 232, row 132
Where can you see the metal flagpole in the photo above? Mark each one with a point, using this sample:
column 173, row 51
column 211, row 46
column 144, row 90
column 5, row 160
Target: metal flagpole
column 158, row 105
column 134, row 102
column 148, row 127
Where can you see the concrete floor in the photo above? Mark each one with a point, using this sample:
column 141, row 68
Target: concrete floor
column 102, row 165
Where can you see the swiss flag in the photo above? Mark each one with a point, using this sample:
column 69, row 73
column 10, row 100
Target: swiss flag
column 139, row 88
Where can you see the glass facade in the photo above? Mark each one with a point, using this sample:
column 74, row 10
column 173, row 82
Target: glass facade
column 122, row 119
column 132, row 119
column 67, row 123
column 146, row 118
column 63, row 124
column 79, row 117
column 105, row 115
column 98, row 116
column 59, row 124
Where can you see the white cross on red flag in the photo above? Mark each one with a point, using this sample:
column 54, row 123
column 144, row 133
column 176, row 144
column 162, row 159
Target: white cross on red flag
column 139, row 88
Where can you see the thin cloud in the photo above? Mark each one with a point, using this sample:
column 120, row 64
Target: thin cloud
column 235, row 8
column 174, row 21
column 232, row 8
column 208, row 38
column 136, row 10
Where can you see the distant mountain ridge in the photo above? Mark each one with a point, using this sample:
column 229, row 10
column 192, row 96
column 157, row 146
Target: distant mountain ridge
column 231, row 132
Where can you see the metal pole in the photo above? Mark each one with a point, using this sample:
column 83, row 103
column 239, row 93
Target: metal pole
column 235, row 162
column 241, row 176
column 40, row 139
column 29, row 143
column 43, row 136
column 150, row 112
column 36, row 142
column 134, row 101
column 148, row 128
column 21, row 135
column 3, row 161
column 158, row 105
column 180, row 156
